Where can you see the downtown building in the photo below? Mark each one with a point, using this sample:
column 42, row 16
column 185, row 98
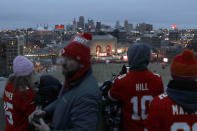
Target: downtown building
column 193, row 44
column 81, row 23
column 103, row 45
column 98, row 26
column 128, row 27
column 10, row 47
column 143, row 27
column 153, row 40
column 89, row 25
column 174, row 35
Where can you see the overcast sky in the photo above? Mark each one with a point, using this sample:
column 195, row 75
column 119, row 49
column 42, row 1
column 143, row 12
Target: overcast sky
column 160, row 13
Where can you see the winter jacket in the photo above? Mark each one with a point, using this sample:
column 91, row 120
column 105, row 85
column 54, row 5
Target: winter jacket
column 176, row 109
column 77, row 108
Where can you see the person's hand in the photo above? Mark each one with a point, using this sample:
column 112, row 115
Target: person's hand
column 42, row 126
column 38, row 113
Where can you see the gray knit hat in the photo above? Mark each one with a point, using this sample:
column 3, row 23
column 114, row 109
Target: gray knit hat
column 139, row 56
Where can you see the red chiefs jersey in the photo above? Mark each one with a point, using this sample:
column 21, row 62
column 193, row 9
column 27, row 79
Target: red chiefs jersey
column 166, row 115
column 136, row 90
column 18, row 105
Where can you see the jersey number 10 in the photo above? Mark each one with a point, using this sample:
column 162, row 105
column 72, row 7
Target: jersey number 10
column 134, row 101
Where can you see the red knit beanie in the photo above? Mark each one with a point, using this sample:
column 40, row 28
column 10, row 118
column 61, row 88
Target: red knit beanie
column 78, row 49
column 184, row 66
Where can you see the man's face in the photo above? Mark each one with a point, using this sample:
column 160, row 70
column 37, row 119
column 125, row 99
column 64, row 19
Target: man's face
column 70, row 66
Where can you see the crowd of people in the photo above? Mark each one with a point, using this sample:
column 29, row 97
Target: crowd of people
column 137, row 99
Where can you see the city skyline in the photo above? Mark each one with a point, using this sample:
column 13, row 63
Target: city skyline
column 162, row 14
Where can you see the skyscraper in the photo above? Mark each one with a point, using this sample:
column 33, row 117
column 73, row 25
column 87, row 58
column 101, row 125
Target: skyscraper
column 75, row 24
column 81, row 22
column 117, row 26
column 98, row 26
column 90, row 23
column 127, row 27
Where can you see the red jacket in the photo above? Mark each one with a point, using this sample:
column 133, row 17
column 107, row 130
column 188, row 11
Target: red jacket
column 166, row 115
column 18, row 105
column 136, row 90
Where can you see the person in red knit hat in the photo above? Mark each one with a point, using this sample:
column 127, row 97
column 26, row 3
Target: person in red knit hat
column 76, row 57
column 177, row 108
column 77, row 107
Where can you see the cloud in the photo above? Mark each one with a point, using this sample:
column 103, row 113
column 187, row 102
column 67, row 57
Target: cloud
column 14, row 12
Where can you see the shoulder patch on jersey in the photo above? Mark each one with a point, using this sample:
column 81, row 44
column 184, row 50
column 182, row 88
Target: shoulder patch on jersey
column 27, row 88
column 121, row 76
column 163, row 96
column 157, row 74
